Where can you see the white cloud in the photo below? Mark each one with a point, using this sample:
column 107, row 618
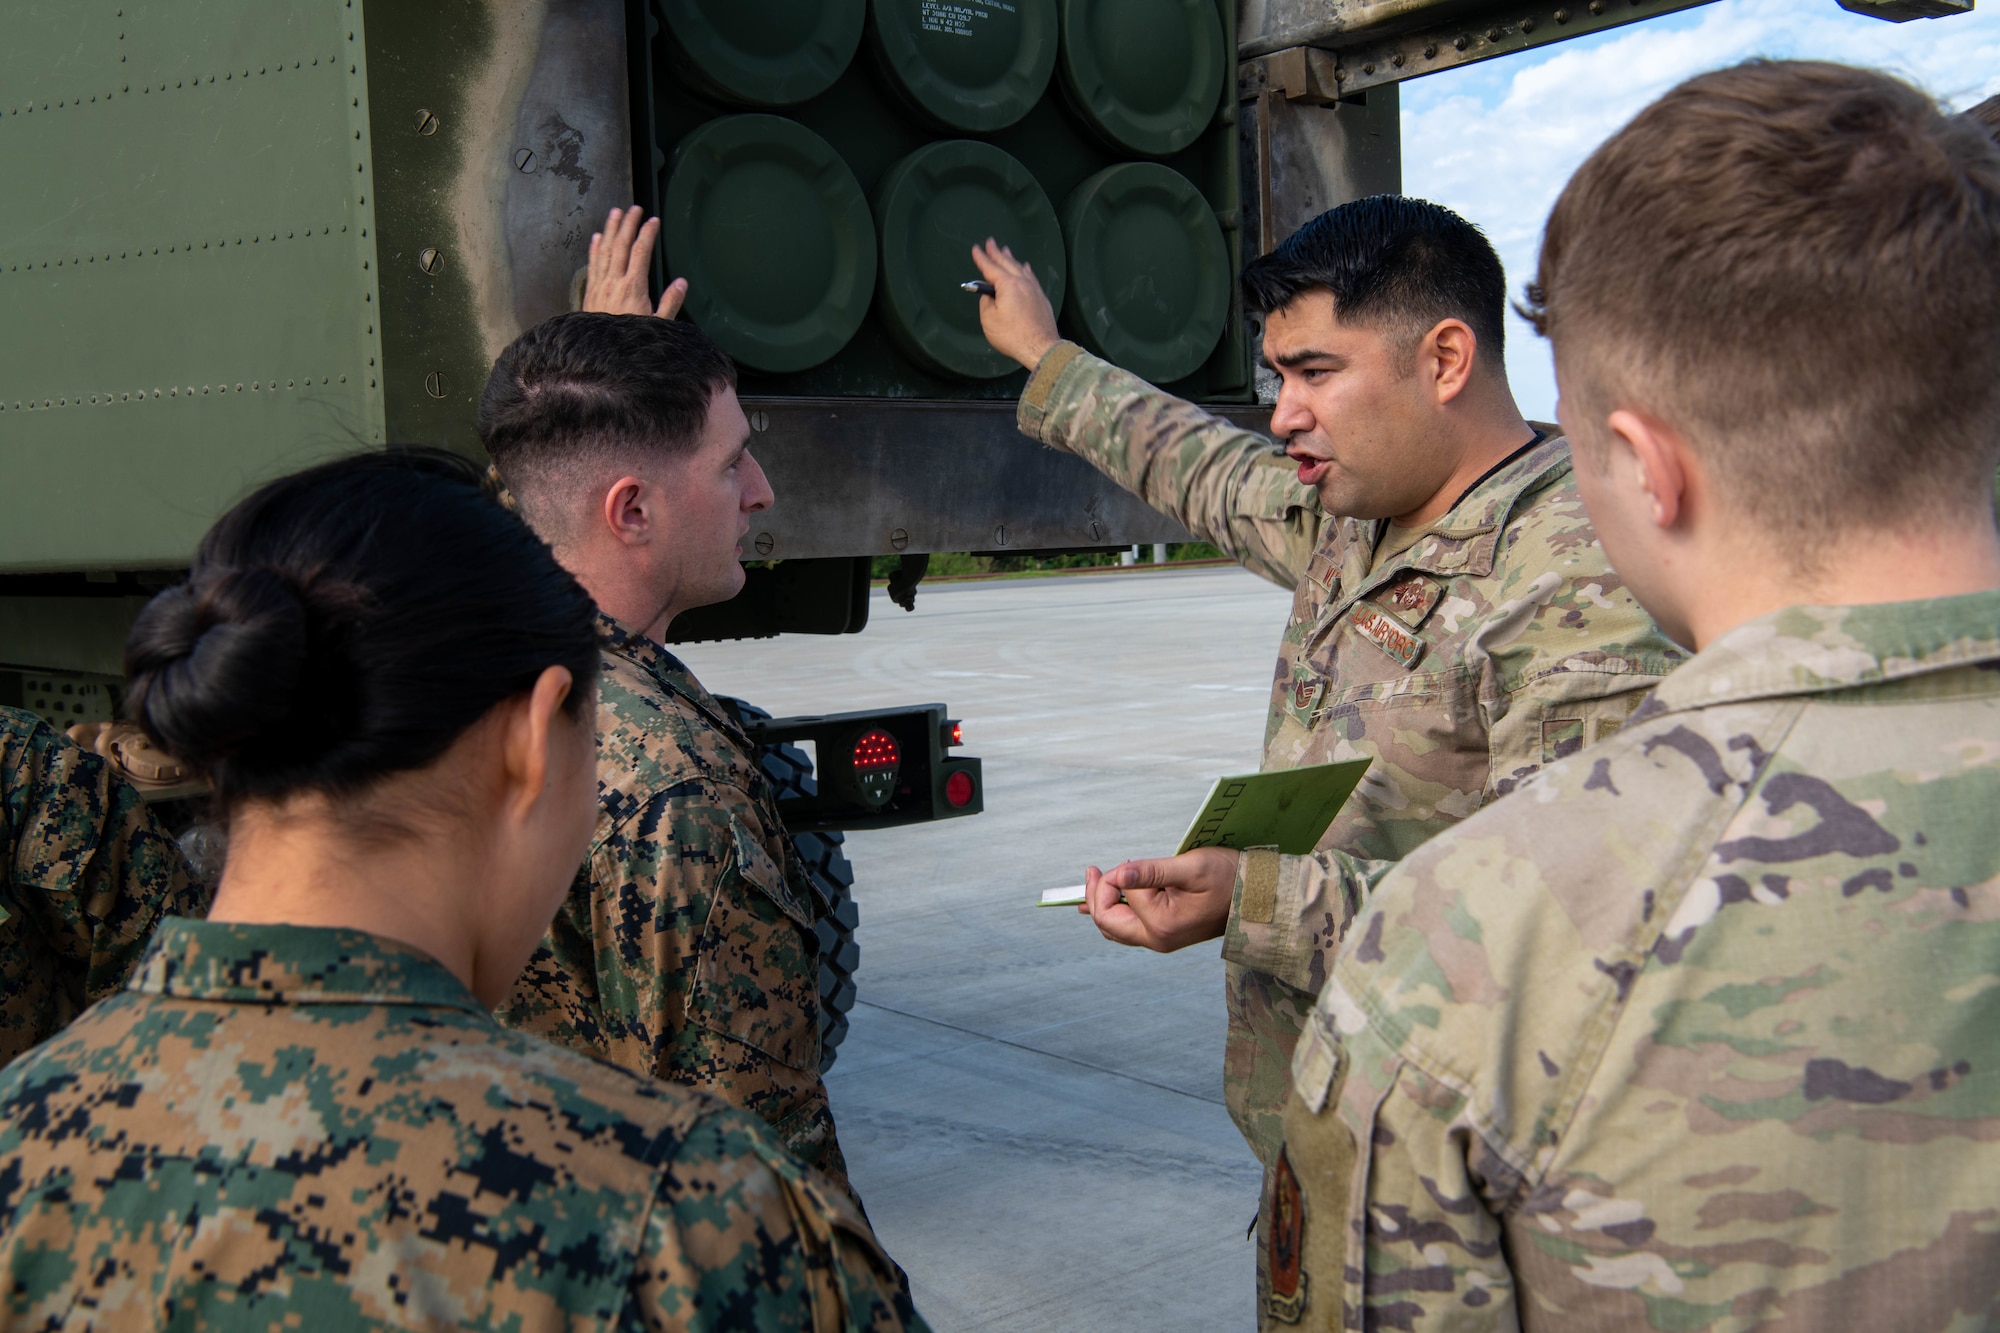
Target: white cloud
column 1496, row 141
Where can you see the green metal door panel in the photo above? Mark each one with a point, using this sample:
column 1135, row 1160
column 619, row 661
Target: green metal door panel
column 188, row 298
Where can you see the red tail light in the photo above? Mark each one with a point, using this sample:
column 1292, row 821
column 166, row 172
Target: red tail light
column 958, row 789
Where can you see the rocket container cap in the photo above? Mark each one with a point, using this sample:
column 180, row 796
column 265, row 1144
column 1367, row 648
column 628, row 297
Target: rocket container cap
column 932, row 208
column 1149, row 272
column 966, row 65
column 772, row 232
column 772, row 53
column 1145, row 74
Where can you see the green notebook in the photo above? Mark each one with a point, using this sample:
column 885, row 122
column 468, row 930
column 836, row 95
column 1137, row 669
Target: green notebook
column 1287, row 808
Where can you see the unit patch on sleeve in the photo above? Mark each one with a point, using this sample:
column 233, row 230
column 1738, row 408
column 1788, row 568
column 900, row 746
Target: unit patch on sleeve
column 1285, row 1302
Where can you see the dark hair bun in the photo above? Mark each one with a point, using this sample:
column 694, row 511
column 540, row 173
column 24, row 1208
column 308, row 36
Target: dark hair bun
column 216, row 662
column 349, row 622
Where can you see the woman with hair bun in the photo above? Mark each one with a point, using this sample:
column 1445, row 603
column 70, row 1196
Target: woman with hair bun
column 301, row 1113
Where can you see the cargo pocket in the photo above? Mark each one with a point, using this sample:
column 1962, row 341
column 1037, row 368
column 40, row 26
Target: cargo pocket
column 757, row 959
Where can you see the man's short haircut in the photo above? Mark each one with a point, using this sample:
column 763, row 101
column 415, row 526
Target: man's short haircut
column 582, row 391
column 1392, row 263
column 1797, row 265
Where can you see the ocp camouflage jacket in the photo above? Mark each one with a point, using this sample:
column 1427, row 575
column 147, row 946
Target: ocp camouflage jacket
column 1698, row 1031
column 1497, row 642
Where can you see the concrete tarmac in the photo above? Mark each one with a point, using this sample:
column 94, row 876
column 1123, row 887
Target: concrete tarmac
column 1032, row 1114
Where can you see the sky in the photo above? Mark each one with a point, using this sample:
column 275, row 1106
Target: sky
column 1497, row 140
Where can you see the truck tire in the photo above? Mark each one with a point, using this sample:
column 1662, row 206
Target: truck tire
column 825, row 862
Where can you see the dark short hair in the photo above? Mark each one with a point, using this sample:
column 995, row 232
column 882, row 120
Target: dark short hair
column 582, row 385
column 1390, row 260
column 1814, row 298
column 349, row 622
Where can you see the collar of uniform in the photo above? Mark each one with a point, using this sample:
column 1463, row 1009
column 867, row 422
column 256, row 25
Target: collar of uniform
column 1814, row 649
column 671, row 674
column 260, row 964
column 1465, row 540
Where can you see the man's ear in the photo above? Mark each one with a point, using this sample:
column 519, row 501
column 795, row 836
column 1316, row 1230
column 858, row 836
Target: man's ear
column 1664, row 468
column 624, row 511
column 1451, row 348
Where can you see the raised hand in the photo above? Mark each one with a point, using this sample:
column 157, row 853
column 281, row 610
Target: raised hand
column 618, row 281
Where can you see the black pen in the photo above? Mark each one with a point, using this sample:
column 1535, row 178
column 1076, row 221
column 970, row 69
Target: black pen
column 978, row 287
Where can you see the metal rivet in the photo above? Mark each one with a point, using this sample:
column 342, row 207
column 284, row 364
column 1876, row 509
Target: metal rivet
column 1397, row 60
column 1493, row 34
column 430, row 261
column 760, row 421
column 1430, row 50
column 1597, row 6
column 1458, row 43
column 1368, row 68
column 434, row 384
column 1562, row 16
column 524, row 160
column 898, row 539
column 765, row 543
column 426, row 123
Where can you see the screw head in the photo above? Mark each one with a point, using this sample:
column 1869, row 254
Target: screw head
column 427, row 123
column 434, row 384
column 1096, row 531
column 899, row 538
column 765, row 543
column 1000, row 535
column 431, row 260
column 524, row 159
column 760, row 420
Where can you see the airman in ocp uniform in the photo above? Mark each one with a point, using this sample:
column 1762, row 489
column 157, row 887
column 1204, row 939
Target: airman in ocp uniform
column 89, row 873
column 1701, row 1029
column 1458, row 624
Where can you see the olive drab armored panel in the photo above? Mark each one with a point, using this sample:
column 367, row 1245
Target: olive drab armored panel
column 188, row 302
column 963, row 119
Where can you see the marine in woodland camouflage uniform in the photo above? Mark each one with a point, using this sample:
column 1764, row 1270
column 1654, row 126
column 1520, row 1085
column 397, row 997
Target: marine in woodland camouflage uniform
column 288, row 1126
column 89, row 873
column 1700, row 1031
column 1460, row 660
column 686, row 949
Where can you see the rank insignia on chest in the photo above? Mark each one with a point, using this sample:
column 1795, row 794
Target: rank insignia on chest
column 1410, row 600
column 1306, row 690
column 1387, row 635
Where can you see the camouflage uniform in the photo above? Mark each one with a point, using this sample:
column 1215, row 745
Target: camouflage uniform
column 1699, row 1031
column 686, row 949
column 1497, row 641
column 89, row 872
column 298, row 1127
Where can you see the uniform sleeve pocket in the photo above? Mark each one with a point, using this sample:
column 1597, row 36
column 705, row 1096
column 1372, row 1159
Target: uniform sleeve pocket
column 757, row 960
